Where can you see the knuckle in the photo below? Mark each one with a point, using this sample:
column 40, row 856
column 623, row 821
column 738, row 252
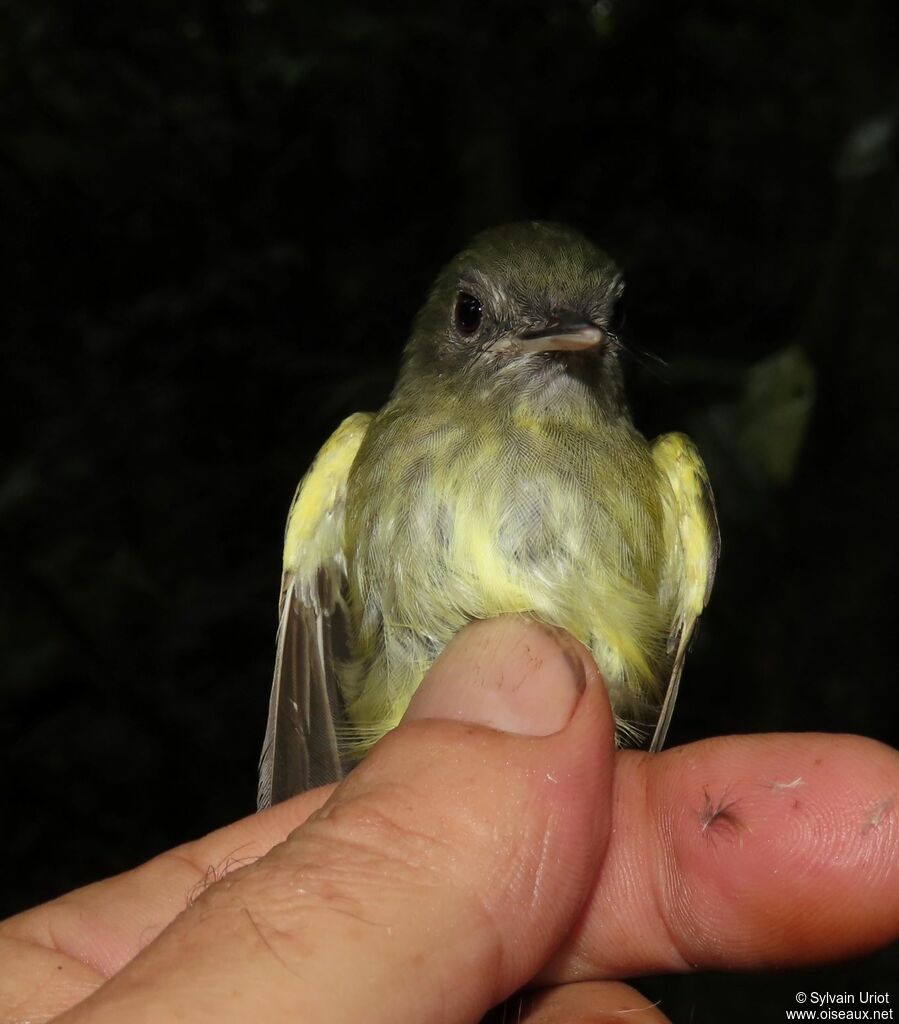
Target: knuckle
column 376, row 836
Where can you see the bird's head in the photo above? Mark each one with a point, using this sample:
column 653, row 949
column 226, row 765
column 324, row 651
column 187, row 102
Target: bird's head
column 526, row 308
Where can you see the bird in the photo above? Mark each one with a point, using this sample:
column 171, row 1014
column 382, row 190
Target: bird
column 504, row 476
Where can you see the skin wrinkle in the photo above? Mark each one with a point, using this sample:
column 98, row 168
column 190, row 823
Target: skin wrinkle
column 494, row 964
column 268, row 945
column 56, row 945
column 224, row 913
column 344, row 818
column 520, row 877
column 444, row 998
column 486, row 925
column 323, row 893
column 665, row 881
column 322, row 900
column 539, row 871
column 58, row 980
column 27, row 998
column 485, row 920
column 653, row 872
column 344, row 861
column 59, row 934
column 386, row 829
column 679, row 895
column 583, row 959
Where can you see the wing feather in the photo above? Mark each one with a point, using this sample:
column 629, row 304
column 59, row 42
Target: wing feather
column 693, row 543
column 300, row 750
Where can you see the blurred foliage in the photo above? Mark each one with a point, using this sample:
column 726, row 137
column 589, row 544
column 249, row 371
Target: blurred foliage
column 218, row 221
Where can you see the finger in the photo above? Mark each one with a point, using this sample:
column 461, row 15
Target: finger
column 436, row 880
column 745, row 852
column 57, row 954
column 589, row 1002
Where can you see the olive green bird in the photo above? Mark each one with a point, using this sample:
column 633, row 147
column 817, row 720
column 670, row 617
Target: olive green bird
column 504, row 476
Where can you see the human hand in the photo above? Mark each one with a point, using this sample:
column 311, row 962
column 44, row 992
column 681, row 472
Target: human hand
column 459, row 863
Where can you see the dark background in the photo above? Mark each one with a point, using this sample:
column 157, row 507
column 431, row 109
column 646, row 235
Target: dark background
column 218, row 220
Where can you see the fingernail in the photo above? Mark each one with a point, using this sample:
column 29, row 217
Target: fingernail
column 511, row 674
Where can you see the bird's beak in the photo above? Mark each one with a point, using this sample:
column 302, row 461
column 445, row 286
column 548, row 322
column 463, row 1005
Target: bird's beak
column 562, row 334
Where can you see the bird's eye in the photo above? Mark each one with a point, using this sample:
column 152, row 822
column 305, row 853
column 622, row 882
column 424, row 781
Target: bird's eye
column 468, row 313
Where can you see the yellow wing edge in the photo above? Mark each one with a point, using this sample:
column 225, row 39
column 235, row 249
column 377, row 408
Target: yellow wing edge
column 693, row 542
column 314, row 531
column 300, row 749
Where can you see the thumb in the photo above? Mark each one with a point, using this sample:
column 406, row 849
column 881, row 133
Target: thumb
column 438, row 878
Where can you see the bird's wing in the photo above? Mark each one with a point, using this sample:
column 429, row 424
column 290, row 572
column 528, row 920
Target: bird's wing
column 692, row 543
column 300, row 749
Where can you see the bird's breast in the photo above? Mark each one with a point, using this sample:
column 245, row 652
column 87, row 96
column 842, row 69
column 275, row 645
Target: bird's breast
column 451, row 520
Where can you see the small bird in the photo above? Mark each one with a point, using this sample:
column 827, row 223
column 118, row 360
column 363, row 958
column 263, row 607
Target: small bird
column 503, row 476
